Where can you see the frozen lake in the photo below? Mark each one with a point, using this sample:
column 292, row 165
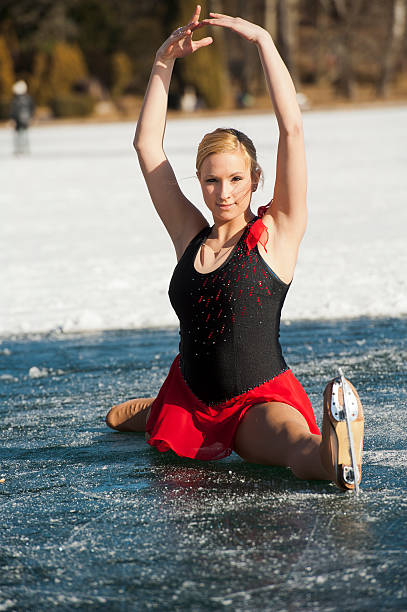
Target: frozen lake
column 92, row 519
column 81, row 247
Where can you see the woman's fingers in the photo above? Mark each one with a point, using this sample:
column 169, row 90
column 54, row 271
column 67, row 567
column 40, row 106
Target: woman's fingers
column 204, row 42
column 181, row 32
column 191, row 26
column 195, row 15
column 218, row 14
column 245, row 29
column 218, row 20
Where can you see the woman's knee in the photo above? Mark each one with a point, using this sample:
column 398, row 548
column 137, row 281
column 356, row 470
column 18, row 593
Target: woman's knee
column 274, row 434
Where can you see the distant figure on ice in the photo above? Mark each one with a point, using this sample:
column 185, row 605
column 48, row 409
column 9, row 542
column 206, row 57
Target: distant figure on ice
column 21, row 112
column 189, row 100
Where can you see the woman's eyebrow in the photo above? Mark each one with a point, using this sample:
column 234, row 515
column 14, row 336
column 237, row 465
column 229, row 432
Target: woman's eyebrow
column 231, row 174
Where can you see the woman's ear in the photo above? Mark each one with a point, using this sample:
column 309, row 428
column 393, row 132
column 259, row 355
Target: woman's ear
column 256, row 179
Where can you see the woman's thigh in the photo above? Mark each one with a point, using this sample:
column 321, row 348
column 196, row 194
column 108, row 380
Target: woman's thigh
column 274, row 433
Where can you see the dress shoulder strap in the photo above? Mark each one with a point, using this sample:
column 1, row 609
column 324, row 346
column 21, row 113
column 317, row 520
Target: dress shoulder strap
column 196, row 241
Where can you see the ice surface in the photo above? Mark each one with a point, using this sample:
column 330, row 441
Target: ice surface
column 92, row 519
column 81, row 247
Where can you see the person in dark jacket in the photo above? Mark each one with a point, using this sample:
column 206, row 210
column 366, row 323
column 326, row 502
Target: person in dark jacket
column 21, row 112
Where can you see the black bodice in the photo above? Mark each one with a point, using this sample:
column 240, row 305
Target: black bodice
column 229, row 321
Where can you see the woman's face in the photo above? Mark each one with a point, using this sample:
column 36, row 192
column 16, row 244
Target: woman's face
column 226, row 184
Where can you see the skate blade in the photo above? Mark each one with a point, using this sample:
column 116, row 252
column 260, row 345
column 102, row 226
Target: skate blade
column 345, row 469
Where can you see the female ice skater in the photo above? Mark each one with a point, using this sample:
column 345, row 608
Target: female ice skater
column 230, row 389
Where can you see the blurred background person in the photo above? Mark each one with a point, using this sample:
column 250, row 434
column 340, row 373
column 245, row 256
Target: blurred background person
column 21, row 113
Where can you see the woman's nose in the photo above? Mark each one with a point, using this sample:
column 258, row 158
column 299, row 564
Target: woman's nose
column 225, row 190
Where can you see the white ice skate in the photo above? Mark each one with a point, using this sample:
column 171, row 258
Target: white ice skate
column 344, row 424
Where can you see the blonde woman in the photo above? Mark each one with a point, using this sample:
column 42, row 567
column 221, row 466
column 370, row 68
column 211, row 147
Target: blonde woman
column 230, row 389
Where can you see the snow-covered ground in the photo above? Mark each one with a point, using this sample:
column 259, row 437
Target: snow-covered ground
column 81, row 247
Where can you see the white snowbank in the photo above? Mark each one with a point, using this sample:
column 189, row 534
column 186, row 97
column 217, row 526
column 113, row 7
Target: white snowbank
column 81, row 247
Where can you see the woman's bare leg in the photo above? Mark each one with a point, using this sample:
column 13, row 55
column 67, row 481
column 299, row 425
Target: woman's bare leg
column 131, row 415
column 277, row 434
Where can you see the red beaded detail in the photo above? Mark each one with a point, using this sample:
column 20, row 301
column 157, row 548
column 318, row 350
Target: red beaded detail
column 222, row 298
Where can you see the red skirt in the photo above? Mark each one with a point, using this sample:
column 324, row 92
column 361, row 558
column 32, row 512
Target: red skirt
column 179, row 421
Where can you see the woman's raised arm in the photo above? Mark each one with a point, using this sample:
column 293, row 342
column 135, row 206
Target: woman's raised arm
column 289, row 201
column 180, row 217
column 287, row 216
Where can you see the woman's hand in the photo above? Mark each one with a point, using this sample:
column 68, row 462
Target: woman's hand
column 180, row 43
column 245, row 29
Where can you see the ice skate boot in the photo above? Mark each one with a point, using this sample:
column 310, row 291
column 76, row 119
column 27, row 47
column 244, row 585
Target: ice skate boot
column 342, row 431
column 131, row 415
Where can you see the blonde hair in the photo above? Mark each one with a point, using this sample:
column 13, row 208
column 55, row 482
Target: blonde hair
column 229, row 140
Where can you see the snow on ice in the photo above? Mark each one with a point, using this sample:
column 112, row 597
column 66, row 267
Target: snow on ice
column 81, row 247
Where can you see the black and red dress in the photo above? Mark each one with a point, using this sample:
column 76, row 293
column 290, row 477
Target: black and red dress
column 230, row 356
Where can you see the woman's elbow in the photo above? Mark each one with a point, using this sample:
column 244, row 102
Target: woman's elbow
column 293, row 129
column 136, row 144
column 138, row 139
column 140, row 148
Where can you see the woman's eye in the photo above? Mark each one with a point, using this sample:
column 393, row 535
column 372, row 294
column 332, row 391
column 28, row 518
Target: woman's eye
column 211, row 180
column 237, row 178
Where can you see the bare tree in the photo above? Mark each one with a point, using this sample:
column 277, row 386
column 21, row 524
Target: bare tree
column 287, row 34
column 395, row 38
column 270, row 16
column 347, row 13
column 246, row 76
